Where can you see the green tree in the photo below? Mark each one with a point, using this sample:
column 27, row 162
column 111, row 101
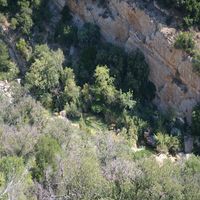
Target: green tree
column 44, row 73
column 24, row 17
column 104, row 84
column 71, row 94
column 46, row 150
column 106, row 93
column 115, row 58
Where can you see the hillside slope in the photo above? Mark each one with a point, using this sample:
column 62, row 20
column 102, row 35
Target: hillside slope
column 127, row 24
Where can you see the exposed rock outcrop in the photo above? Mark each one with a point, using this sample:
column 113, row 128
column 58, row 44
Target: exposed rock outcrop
column 123, row 22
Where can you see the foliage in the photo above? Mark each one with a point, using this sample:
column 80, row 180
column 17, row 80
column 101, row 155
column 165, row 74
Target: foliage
column 24, row 17
column 185, row 41
column 24, row 14
column 15, row 179
column 25, row 111
column 106, row 98
column 24, row 48
column 190, row 9
column 66, row 34
column 46, row 150
column 8, row 69
column 107, row 92
column 196, row 120
column 166, row 143
column 101, row 165
column 131, row 70
column 71, row 94
column 142, row 154
column 45, row 70
column 3, row 3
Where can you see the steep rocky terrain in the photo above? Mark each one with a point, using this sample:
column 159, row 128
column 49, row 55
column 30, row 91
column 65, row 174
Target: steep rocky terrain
column 132, row 25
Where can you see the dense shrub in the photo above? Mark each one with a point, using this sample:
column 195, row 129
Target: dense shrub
column 106, row 96
column 185, row 42
column 130, row 70
column 24, row 49
column 71, row 94
column 166, row 143
column 46, row 150
column 66, row 34
column 15, row 180
column 44, row 74
column 25, row 111
column 8, row 69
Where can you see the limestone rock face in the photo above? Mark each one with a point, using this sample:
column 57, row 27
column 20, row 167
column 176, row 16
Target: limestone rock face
column 124, row 23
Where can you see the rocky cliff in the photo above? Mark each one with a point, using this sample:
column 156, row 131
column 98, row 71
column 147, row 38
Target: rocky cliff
column 130, row 24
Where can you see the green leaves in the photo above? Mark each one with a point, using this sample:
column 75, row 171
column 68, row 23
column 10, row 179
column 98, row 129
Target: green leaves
column 11, row 167
column 190, row 10
column 14, row 177
column 8, row 69
column 106, row 95
column 46, row 150
column 185, row 41
column 45, row 69
column 167, row 143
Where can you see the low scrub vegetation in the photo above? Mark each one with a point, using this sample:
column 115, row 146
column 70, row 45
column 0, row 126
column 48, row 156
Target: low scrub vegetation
column 39, row 152
column 185, row 41
column 70, row 129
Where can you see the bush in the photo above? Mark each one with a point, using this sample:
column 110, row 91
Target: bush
column 46, row 150
column 25, row 111
column 142, row 154
column 15, row 180
column 166, row 143
column 8, row 69
column 45, row 71
column 66, row 34
column 185, row 42
column 23, row 48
